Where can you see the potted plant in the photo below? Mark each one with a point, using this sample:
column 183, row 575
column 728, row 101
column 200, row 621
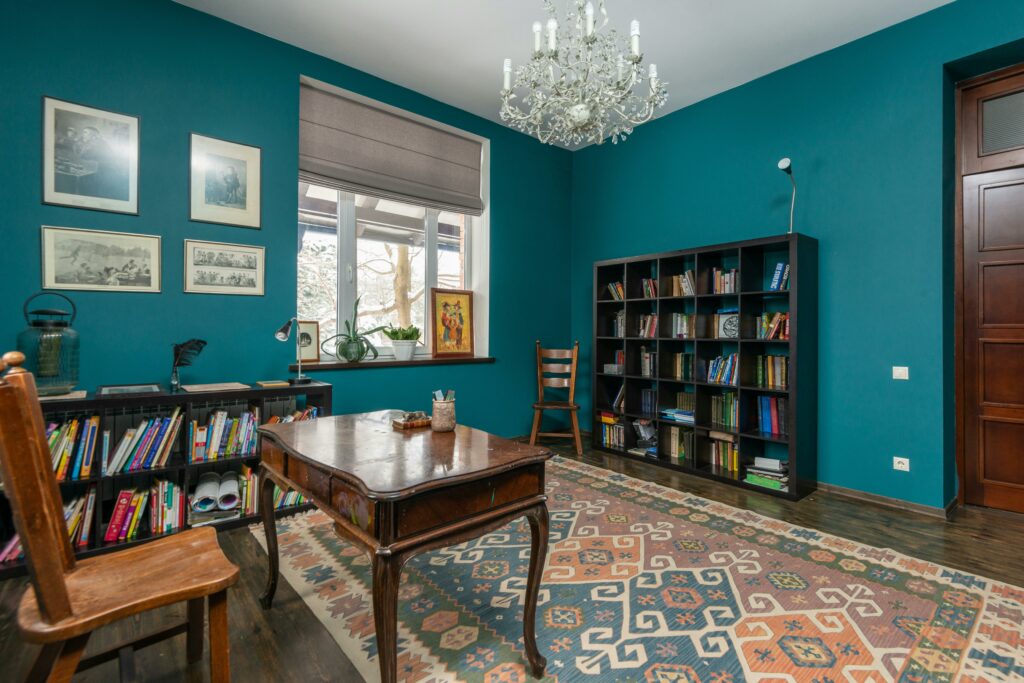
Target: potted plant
column 404, row 341
column 353, row 344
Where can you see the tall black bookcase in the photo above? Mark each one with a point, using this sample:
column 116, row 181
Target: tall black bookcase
column 119, row 413
column 754, row 262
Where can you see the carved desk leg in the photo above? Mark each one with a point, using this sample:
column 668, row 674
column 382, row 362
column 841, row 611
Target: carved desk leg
column 538, row 518
column 270, row 530
column 387, row 572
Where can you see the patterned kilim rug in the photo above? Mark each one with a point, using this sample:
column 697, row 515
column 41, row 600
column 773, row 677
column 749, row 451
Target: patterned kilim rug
column 645, row 583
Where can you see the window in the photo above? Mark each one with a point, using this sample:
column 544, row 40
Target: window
column 385, row 252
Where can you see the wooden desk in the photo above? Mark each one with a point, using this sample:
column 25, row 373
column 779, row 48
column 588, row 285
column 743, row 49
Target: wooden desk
column 396, row 494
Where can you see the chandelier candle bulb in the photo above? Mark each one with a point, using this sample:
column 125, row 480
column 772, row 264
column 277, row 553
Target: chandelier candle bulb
column 653, row 75
column 552, row 34
column 589, row 11
column 536, row 36
column 507, row 68
column 620, row 67
column 634, row 37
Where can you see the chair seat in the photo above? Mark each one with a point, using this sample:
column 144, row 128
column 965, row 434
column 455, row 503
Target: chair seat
column 102, row 589
column 555, row 405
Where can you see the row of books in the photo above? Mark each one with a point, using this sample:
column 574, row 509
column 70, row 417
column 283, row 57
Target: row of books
column 780, row 278
column 168, row 505
column 124, row 520
column 648, row 362
column 722, row 370
column 683, row 326
column 679, row 445
column 650, row 287
column 648, row 327
column 685, row 284
column 771, row 415
column 773, row 326
column 620, row 397
column 223, row 436
column 78, row 517
column 724, row 453
column 613, row 435
column 772, row 371
column 725, row 281
column 682, row 366
column 725, row 410
column 73, row 446
column 648, row 401
column 147, row 446
column 617, row 291
column 619, row 324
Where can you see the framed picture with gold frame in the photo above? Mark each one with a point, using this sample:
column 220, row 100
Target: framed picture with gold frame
column 453, row 324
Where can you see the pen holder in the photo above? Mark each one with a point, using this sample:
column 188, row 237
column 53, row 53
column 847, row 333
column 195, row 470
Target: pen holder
column 443, row 418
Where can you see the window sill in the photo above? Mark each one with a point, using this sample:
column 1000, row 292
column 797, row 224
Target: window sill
column 373, row 364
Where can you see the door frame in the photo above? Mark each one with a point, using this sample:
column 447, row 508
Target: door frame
column 958, row 271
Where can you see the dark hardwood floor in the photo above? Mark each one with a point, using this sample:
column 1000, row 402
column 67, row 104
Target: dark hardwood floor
column 289, row 643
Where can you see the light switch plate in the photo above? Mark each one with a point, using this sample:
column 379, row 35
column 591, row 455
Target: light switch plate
column 900, row 372
column 901, row 464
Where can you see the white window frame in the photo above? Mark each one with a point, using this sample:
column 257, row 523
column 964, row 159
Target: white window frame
column 476, row 276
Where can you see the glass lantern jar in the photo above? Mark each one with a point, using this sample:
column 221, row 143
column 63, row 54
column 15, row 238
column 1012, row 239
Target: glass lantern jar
column 51, row 347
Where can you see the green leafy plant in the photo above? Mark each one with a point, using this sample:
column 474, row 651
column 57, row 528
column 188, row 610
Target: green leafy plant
column 353, row 344
column 411, row 333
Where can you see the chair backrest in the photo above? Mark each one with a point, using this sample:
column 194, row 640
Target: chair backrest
column 556, row 369
column 26, row 470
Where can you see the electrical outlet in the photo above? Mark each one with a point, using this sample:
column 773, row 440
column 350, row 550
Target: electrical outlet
column 900, row 372
column 901, row 464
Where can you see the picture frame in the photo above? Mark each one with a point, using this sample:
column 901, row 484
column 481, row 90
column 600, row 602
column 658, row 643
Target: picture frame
column 451, row 337
column 309, row 353
column 225, row 179
column 223, row 268
column 90, row 157
column 100, row 260
column 134, row 390
column 728, row 326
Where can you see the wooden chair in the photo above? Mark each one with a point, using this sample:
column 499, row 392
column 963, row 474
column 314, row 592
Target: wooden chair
column 70, row 598
column 553, row 376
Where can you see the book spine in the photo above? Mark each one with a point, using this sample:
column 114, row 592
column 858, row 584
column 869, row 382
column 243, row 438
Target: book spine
column 90, row 509
column 117, row 516
column 129, row 515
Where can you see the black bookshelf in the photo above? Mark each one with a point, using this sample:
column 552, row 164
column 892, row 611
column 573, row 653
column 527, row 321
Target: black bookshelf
column 754, row 262
column 117, row 413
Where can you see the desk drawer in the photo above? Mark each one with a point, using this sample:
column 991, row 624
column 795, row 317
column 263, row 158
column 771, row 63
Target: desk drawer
column 317, row 482
column 272, row 455
column 454, row 503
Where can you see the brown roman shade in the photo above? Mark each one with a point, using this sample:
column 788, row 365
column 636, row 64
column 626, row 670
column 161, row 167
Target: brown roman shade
column 369, row 148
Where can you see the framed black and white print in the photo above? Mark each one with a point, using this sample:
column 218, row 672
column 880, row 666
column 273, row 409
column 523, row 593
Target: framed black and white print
column 90, row 157
column 224, row 182
column 218, row 268
column 100, row 261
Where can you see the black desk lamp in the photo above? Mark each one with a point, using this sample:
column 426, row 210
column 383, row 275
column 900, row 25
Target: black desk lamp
column 786, row 166
column 301, row 340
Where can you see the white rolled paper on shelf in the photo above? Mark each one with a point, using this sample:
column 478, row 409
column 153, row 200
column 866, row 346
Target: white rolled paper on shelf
column 228, row 498
column 207, row 492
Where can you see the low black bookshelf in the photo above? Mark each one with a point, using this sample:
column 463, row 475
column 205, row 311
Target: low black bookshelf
column 119, row 413
column 705, row 361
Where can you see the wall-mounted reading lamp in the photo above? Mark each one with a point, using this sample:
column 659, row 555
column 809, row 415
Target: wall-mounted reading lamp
column 786, row 166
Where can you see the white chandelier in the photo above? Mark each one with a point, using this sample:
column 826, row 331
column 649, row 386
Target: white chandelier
column 585, row 86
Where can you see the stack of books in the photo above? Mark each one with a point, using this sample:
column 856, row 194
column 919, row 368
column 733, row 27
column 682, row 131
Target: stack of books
column 648, row 328
column 650, row 288
column 617, row 291
column 619, row 324
column 223, row 437
column 147, row 446
column 685, row 284
column 771, row 415
column 124, row 520
column 683, row 325
column 724, row 454
column 769, row 473
column 167, row 503
column 722, row 370
column 724, row 281
column 684, row 411
column 73, row 446
column 682, row 367
column 780, row 279
column 725, row 410
column 679, row 445
column 773, row 326
column 646, row 439
column 772, row 372
column 648, row 362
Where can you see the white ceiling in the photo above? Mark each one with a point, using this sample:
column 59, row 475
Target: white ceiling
column 452, row 50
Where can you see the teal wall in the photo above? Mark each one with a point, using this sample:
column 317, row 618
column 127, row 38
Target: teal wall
column 869, row 127
column 183, row 71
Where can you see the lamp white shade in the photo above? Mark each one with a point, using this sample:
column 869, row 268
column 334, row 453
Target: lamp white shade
column 786, row 165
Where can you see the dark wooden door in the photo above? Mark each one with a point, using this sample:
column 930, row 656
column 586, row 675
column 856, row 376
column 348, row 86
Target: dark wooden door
column 991, row 306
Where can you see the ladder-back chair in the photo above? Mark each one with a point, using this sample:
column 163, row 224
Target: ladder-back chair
column 556, row 369
column 71, row 598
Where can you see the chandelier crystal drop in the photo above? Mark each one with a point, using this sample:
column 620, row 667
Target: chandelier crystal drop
column 582, row 84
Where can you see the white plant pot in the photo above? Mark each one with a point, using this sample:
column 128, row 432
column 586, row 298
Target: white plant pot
column 405, row 349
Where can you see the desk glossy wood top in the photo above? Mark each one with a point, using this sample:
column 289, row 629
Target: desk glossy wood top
column 383, row 463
